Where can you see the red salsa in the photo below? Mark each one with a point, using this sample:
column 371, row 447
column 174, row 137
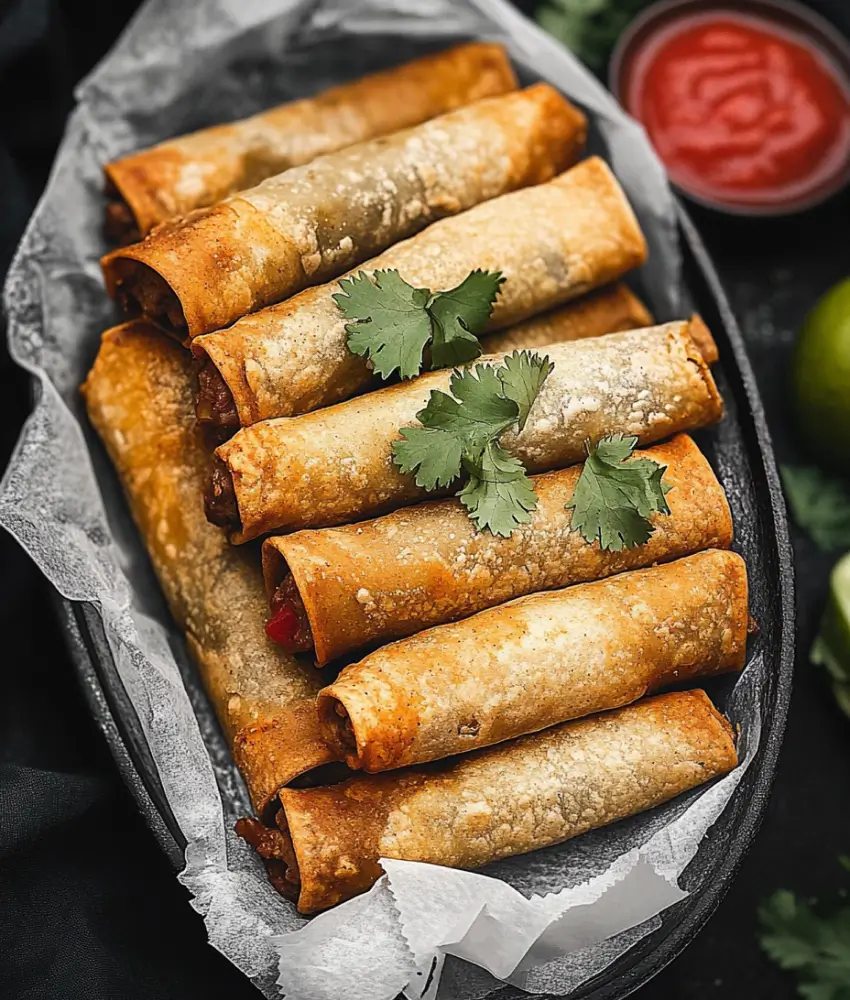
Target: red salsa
column 740, row 110
column 289, row 625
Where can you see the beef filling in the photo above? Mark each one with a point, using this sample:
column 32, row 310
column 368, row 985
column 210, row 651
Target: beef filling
column 120, row 227
column 220, row 504
column 141, row 289
column 275, row 848
column 215, row 405
column 345, row 730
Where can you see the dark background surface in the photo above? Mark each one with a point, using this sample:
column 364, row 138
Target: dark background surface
column 89, row 907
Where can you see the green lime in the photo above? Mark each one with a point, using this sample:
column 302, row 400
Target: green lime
column 832, row 646
column 821, row 378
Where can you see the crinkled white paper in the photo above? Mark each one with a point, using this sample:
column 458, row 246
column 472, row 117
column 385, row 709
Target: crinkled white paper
column 546, row 922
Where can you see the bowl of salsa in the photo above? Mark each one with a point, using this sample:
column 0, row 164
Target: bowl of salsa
column 746, row 103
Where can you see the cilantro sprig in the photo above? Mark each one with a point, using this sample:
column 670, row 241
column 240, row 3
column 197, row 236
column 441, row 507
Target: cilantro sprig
column 589, row 28
column 459, row 434
column 813, row 943
column 391, row 322
column 614, row 498
column 820, row 504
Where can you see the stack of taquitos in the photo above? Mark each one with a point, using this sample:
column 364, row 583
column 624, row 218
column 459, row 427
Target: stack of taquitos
column 497, row 676
column 607, row 310
column 532, row 792
column 537, row 661
column 504, row 655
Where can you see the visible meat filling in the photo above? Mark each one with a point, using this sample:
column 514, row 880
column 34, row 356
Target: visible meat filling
column 275, row 848
column 215, row 405
column 220, row 504
column 289, row 625
column 345, row 730
column 140, row 288
column 336, row 727
column 120, row 227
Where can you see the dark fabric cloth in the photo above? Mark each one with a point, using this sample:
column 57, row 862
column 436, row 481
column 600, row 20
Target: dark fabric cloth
column 89, row 907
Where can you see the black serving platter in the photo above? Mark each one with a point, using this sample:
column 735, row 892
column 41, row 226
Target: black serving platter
column 741, row 453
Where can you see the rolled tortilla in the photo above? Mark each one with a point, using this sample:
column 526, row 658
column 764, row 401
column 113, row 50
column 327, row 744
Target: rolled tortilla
column 308, row 224
column 604, row 311
column 196, row 170
column 364, row 584
column 335, row 465
column 139, row 399
column 533, row 792
column 537, row 661
column 607, row 310
column 553, row 243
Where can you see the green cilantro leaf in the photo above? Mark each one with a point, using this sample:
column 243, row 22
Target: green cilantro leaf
column 453, row 426
column 590, row 28
column 819, row 504
column 482, row 403
column 613, row 499
column 522, row 377
column 460, row 432
column 433, row 454
column 499, row 495
column 391, row 322
column 458, row 313
column 815, row 946
column 616, row 448
column 390, row 326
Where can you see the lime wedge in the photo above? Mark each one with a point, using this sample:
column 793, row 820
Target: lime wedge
column 831, row 649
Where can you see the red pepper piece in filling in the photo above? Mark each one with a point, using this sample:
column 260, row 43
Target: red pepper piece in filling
column 289, row 626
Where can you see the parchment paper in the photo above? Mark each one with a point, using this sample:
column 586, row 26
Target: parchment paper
column 546, row 921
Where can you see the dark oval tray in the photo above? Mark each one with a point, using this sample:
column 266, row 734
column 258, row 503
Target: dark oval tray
column 741, row 453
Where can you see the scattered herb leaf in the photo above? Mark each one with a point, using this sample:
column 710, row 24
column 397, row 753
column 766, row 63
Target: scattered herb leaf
column 432, row 453
column 499, row 495
column 819, row 504
column 521, row 382
column 391, row 322
column 614, row 498
column 589, row 28
column 390, row 326
column 458, row 314
column 460, row 433
column 815, row 946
